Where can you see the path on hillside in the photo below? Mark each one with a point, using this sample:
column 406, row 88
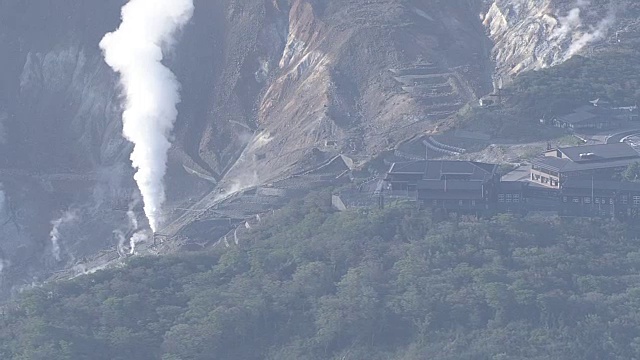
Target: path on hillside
column 616, row 138
column 17, row 173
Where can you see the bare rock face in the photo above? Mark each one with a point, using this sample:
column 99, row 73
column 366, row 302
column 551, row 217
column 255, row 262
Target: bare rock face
column 361, row 77
column 536, row 34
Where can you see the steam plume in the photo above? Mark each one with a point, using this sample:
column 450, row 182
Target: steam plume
column 135, row 51
column 119, row 236
column 571, row 28
column 598, row 33
column 55, row 234
column 137, row 238
column 132, row 225
column 568, row 24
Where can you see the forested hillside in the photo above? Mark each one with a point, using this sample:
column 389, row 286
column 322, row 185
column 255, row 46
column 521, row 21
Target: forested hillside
column 382, row 284
column 547, row 93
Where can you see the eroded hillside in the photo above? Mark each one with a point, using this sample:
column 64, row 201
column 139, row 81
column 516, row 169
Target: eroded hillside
column 536, row 34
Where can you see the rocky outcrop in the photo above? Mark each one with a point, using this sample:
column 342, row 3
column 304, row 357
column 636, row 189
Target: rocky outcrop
column 536, row 34
column 340, row 79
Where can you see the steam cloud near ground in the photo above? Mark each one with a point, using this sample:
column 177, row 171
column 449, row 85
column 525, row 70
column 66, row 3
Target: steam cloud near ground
column 56, row 235
column 571, row 28
column 151, row 90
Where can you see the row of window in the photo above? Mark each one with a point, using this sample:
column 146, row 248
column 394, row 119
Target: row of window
column 515, row 198
column 599, row 200
column 460, row 202
column 636, row 199
column 507, row 198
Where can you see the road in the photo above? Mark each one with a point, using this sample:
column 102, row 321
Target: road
column 18, row 173
column 616, row 138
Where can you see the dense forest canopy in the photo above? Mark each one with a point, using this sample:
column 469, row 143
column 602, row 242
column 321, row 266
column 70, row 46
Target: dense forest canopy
column 398, row 283
column 558, row 90
column 614, row 77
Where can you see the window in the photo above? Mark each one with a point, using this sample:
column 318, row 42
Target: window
column 576, row 199
column 611, row 201
column 564, row 199
column 460, row 202
column 597, row 201
column 473, row 203
column 636, row 200
column 508, row 198
column 587, row 200
column 501, row 198
column 435, row 202
column 625, row 199
column 516, row 198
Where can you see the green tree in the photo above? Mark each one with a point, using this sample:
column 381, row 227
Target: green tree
column 632, row 173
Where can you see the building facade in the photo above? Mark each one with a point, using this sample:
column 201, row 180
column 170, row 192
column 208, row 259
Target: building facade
column 476, row 188
column 602, row 162
column 615, row 199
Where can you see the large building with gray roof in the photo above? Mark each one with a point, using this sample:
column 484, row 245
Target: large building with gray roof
column 598, row 161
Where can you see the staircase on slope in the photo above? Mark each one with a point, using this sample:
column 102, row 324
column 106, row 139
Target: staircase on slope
column 435, row 87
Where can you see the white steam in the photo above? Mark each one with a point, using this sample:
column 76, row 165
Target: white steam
column 568, row 24
column 135, row 51
column 133, row 220
column 55, row 235
column 599, row 32
column 137, row 238
column 572, row 29
column 119, row 236
column 132, row 225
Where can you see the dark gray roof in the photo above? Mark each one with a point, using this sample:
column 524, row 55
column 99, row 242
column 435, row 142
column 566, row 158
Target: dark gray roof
column 435, row 169
column 578, row 117
column 438, row 189
column 512, row 185
column 551, row 163
column 602, row 152
column 449, row 185
column 452, row 195
column 409, row 167
column 566, row 165
column 601, row 185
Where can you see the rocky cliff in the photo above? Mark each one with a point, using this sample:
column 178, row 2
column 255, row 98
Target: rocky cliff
column 536, row 34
